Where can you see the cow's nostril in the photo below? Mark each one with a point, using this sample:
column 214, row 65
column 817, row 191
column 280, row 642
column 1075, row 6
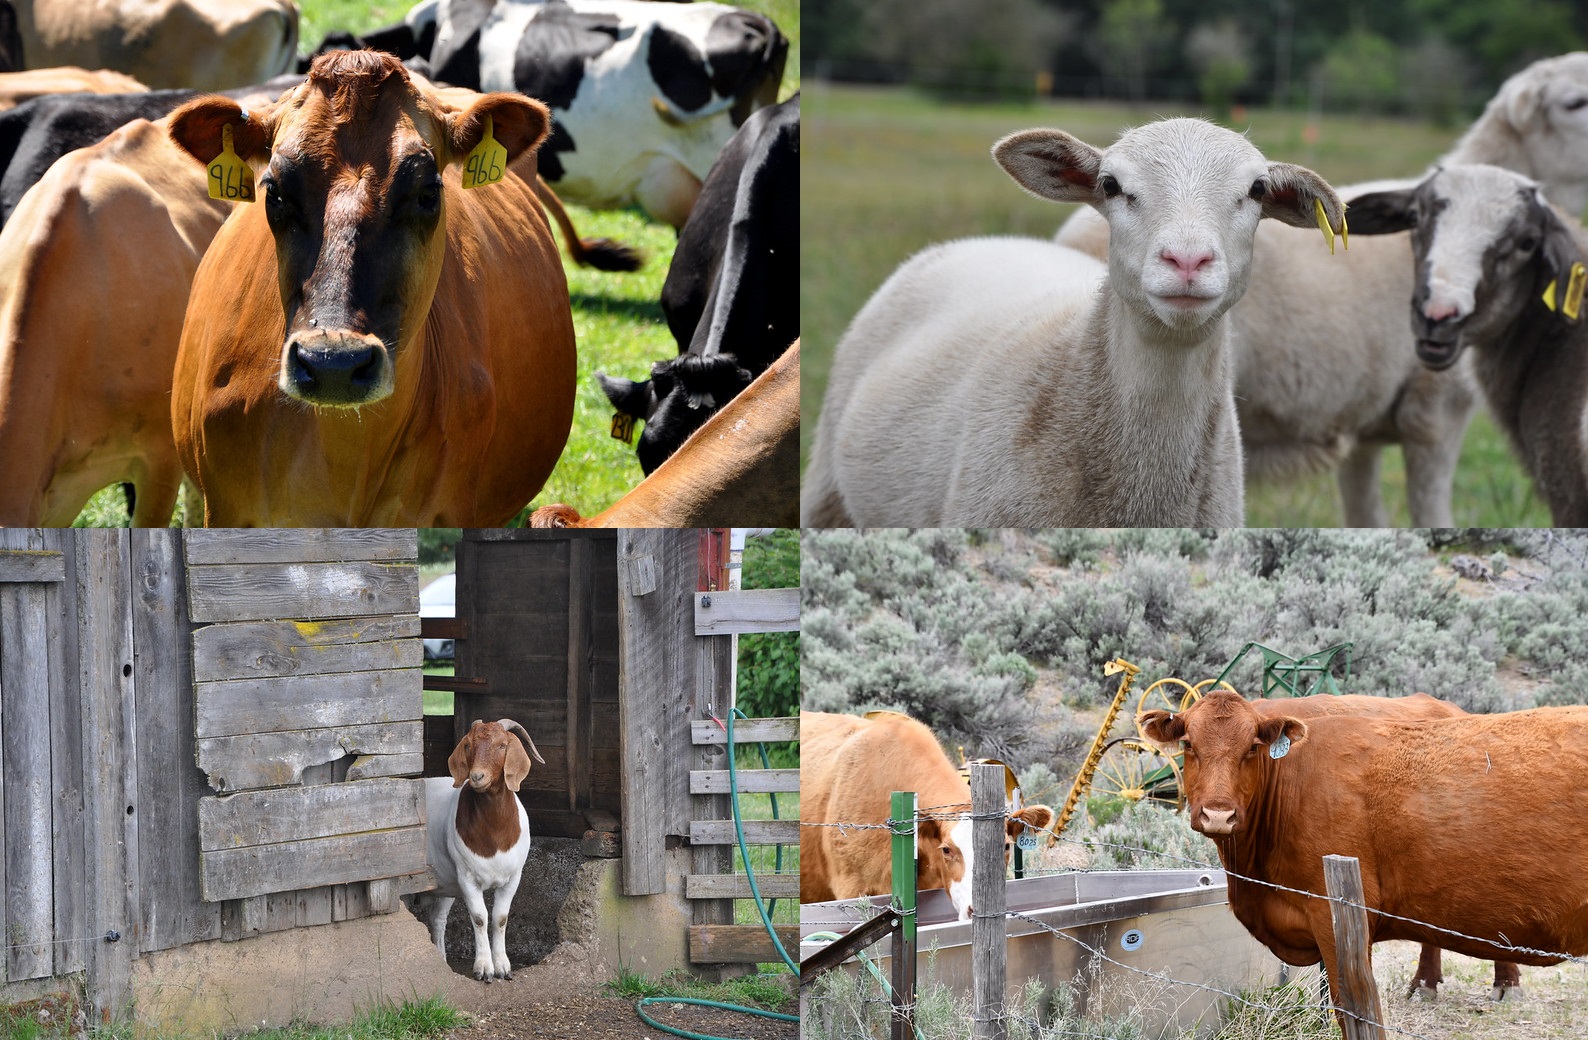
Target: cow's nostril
column 299, row 371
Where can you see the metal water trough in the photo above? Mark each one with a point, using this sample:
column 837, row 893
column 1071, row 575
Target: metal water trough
column 1172, row 923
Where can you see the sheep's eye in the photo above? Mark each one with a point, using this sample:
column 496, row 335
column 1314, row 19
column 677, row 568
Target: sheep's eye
column 1259, row 189
column 1110, row 186
column 1528, row 243
column 1575, row 103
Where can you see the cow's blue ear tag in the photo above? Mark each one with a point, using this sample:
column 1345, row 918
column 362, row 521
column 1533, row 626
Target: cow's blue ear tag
column 1279, row 748
column 1027, row 841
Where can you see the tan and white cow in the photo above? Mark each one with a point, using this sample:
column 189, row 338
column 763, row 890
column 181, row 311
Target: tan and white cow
column 849, row 768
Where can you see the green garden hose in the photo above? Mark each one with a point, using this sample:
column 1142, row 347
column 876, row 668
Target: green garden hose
column 760, row 906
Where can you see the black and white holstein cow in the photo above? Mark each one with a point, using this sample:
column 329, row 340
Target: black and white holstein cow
column 643, row 95
column 1501, row 272
column 732, row 292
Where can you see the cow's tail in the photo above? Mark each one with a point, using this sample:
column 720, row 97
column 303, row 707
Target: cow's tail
column 603, row 254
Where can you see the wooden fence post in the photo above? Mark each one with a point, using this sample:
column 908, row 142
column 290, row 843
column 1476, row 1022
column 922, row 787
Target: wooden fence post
column 1354, row 990
column 902, row 948
column 988, row 928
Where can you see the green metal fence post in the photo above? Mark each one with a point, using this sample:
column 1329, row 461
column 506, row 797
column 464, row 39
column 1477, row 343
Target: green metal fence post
column 902, row 824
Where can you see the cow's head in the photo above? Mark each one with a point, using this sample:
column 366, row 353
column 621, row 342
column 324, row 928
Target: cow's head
column 682, row 393
column 348, row 169
column 944, row 857
column 1230, row 751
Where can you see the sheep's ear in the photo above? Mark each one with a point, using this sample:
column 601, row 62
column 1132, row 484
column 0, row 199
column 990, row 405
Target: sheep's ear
column 1521, row 99
column 1301, row 198
column 1051, row 164
column 516, row 768
column 1383, row 212
column 1564, row 265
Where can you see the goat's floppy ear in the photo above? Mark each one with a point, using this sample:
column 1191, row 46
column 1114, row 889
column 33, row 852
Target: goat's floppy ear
column 1301, row 198
column 458, row 761
column 1051, row 164
column 1383, row 212
column 517, row 765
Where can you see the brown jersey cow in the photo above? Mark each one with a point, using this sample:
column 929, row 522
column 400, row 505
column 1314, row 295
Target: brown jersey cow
column 1444, row 816
column 849, row 768
column 370, row 344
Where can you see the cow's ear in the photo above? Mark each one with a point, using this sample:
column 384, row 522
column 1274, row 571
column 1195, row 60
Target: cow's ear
column 1281, row 734
column 1034, row 817
column 1161, row 727
column 518, row 123
column 198, row 125
column 928, row 832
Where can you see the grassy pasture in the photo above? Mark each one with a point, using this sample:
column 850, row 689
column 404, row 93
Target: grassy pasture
column 618, row 322
column 892, row 171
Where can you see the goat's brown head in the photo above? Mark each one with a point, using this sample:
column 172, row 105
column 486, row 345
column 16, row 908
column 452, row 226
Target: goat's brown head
column 492, row 751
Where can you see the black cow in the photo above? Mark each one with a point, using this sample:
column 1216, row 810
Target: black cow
column 732, row 294
column 643, row 95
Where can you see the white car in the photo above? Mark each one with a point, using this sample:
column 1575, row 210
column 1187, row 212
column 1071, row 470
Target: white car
column 439, row 599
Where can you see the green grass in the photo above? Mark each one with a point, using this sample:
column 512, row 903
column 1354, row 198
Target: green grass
column 438, row 702
column 423, row 1020
column 618, row 321
column 891, row 171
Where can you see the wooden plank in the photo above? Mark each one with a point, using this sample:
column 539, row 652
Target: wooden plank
column 298, row 813
column 738, row 943
column 456, row 684
column 172, row 910
column 369, row 767
column 110, row 773
column 298, row 702
column 23, row 565
column 756, row 832
column 1351, row 981
column 713, row 696
column 253, row 760
column 289, row 866
column 29, row 802
column 989, row 929
column 443, row 628
column 249, row 592
column 256, row 649
column 751, row 781
column 655, row 615
column 70, row 848
column 577, row 663
column 307, row 545
column 726, row 612
column 737, row 886
column 745, row 731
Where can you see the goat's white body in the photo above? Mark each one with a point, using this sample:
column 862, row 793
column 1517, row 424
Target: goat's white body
column 460, row 872
column 1045, row 405
column 1326, row 370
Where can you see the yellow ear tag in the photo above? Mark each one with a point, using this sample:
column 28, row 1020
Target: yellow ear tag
column 1323, row 224
column 1549, row 295
column 1571, row 306
column 230, row 178
column 623, row 427
column 488, row 162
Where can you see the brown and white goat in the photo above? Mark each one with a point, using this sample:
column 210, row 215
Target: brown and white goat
column 479, row 836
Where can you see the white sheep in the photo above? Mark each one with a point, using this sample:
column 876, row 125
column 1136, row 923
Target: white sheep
column 478, row 837
column 1500, row 273
column 1015, row 382
column 1325, row 373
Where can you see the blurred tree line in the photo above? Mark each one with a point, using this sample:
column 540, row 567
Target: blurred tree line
column 1433, row 58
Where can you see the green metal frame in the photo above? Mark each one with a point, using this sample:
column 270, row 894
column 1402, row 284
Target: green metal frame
column 1297, row 676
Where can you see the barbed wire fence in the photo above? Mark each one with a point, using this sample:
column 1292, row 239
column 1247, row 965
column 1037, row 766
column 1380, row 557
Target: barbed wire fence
column 1024, row 1016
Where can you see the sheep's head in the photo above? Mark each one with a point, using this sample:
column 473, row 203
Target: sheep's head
column 1546, row 106
column 1182, row 198
column 1488, row 252
column 492, row 751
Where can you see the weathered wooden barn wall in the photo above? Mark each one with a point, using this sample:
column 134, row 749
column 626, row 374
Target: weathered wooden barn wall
column 309, row 683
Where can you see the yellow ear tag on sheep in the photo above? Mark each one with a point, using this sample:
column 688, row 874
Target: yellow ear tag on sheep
column 488, row 162
column 1571, row 306
column 230, row 178
column 1328, row 232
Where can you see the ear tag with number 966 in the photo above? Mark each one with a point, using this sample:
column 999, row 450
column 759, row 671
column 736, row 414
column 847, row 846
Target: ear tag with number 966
column 230, row 178
column 487, row 162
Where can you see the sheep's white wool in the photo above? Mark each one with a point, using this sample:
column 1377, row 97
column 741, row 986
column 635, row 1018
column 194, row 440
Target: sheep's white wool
column 1015, row 382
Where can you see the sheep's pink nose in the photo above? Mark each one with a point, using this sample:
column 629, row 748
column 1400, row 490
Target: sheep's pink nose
column 1439, row 311
column 1187, row 263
